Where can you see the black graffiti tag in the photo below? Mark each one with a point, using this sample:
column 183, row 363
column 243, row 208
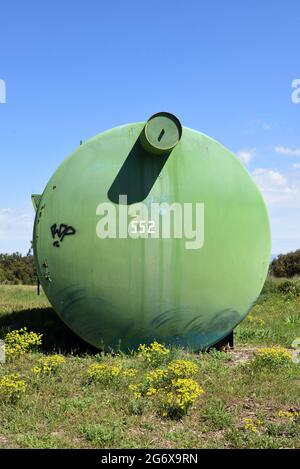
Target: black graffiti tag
column 60, row 232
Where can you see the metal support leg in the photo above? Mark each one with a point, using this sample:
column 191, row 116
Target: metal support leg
column 226, row 343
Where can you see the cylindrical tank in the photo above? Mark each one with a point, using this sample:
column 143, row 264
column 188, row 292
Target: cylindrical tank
column 151, row 231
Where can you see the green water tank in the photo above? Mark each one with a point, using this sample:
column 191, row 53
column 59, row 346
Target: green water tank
column 151, row 231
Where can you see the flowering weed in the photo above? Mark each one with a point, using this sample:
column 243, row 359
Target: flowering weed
column 103, row 373
column 154, row 355
column 271, row 357
column 18, row 342
column 47, row 365
column 174, row 389
column 11, row 388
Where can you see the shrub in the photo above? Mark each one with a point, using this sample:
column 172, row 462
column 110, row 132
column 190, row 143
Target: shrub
column 182, row 369
column 129, row 373
column 272, row 357
column 156, row 377
column 155, row 354
column 11, row 388
column 286, row 265
column 102, row 373
column 47, row 365
column 270, row 286
column 136, row 389
column 289, row 288
column 161, row 378
column 16, row 269
column 174, row 389
column 18, row 342
column 179, row 398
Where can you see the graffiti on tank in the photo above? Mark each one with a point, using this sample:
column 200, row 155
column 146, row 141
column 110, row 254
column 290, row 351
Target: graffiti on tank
column 60, row 232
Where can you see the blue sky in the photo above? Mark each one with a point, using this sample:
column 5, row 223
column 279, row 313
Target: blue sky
column 73, row 69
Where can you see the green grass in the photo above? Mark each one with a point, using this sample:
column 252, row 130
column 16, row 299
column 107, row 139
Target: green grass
column 64, row 411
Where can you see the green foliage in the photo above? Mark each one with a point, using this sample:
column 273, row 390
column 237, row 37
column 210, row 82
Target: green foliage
column 293, row 319
column 219, row 356
column 17, row 269
column 102, row 435
column 286, row 265
column 216, row 414
column 35, row 441
column 270, row 286
column 289, row 288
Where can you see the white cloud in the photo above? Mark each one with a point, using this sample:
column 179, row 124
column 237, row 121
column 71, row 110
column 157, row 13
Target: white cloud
column 276, row 188
column 288, row 151
column 266, row 125
column 285, row 230
column 15, row 230
column 246, row 154
column 257, row 125
column 282, row 195
column 296, row 166
column 269, row 177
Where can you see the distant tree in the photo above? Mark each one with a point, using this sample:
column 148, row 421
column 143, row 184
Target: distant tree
column 286, row 265
column 16, row 269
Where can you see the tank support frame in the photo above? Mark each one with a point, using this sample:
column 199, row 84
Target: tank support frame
column 226, row 343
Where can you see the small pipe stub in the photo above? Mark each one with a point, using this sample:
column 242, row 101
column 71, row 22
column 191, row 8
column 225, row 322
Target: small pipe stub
column 161, row 133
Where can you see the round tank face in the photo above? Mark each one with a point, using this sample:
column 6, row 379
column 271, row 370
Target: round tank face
column 133, row 245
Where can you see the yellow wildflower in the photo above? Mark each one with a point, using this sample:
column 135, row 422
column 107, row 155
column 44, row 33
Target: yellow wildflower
column 102, row 373
column 48, row 365
column 130, row 373
column 289, row 414
column 153, row 354
column 272, row 356
column 250, row 425
column 18, row 342
column 182, row 368
column 11, row 387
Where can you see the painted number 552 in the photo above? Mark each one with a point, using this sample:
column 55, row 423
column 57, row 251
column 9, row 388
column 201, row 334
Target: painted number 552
column 142, row 226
